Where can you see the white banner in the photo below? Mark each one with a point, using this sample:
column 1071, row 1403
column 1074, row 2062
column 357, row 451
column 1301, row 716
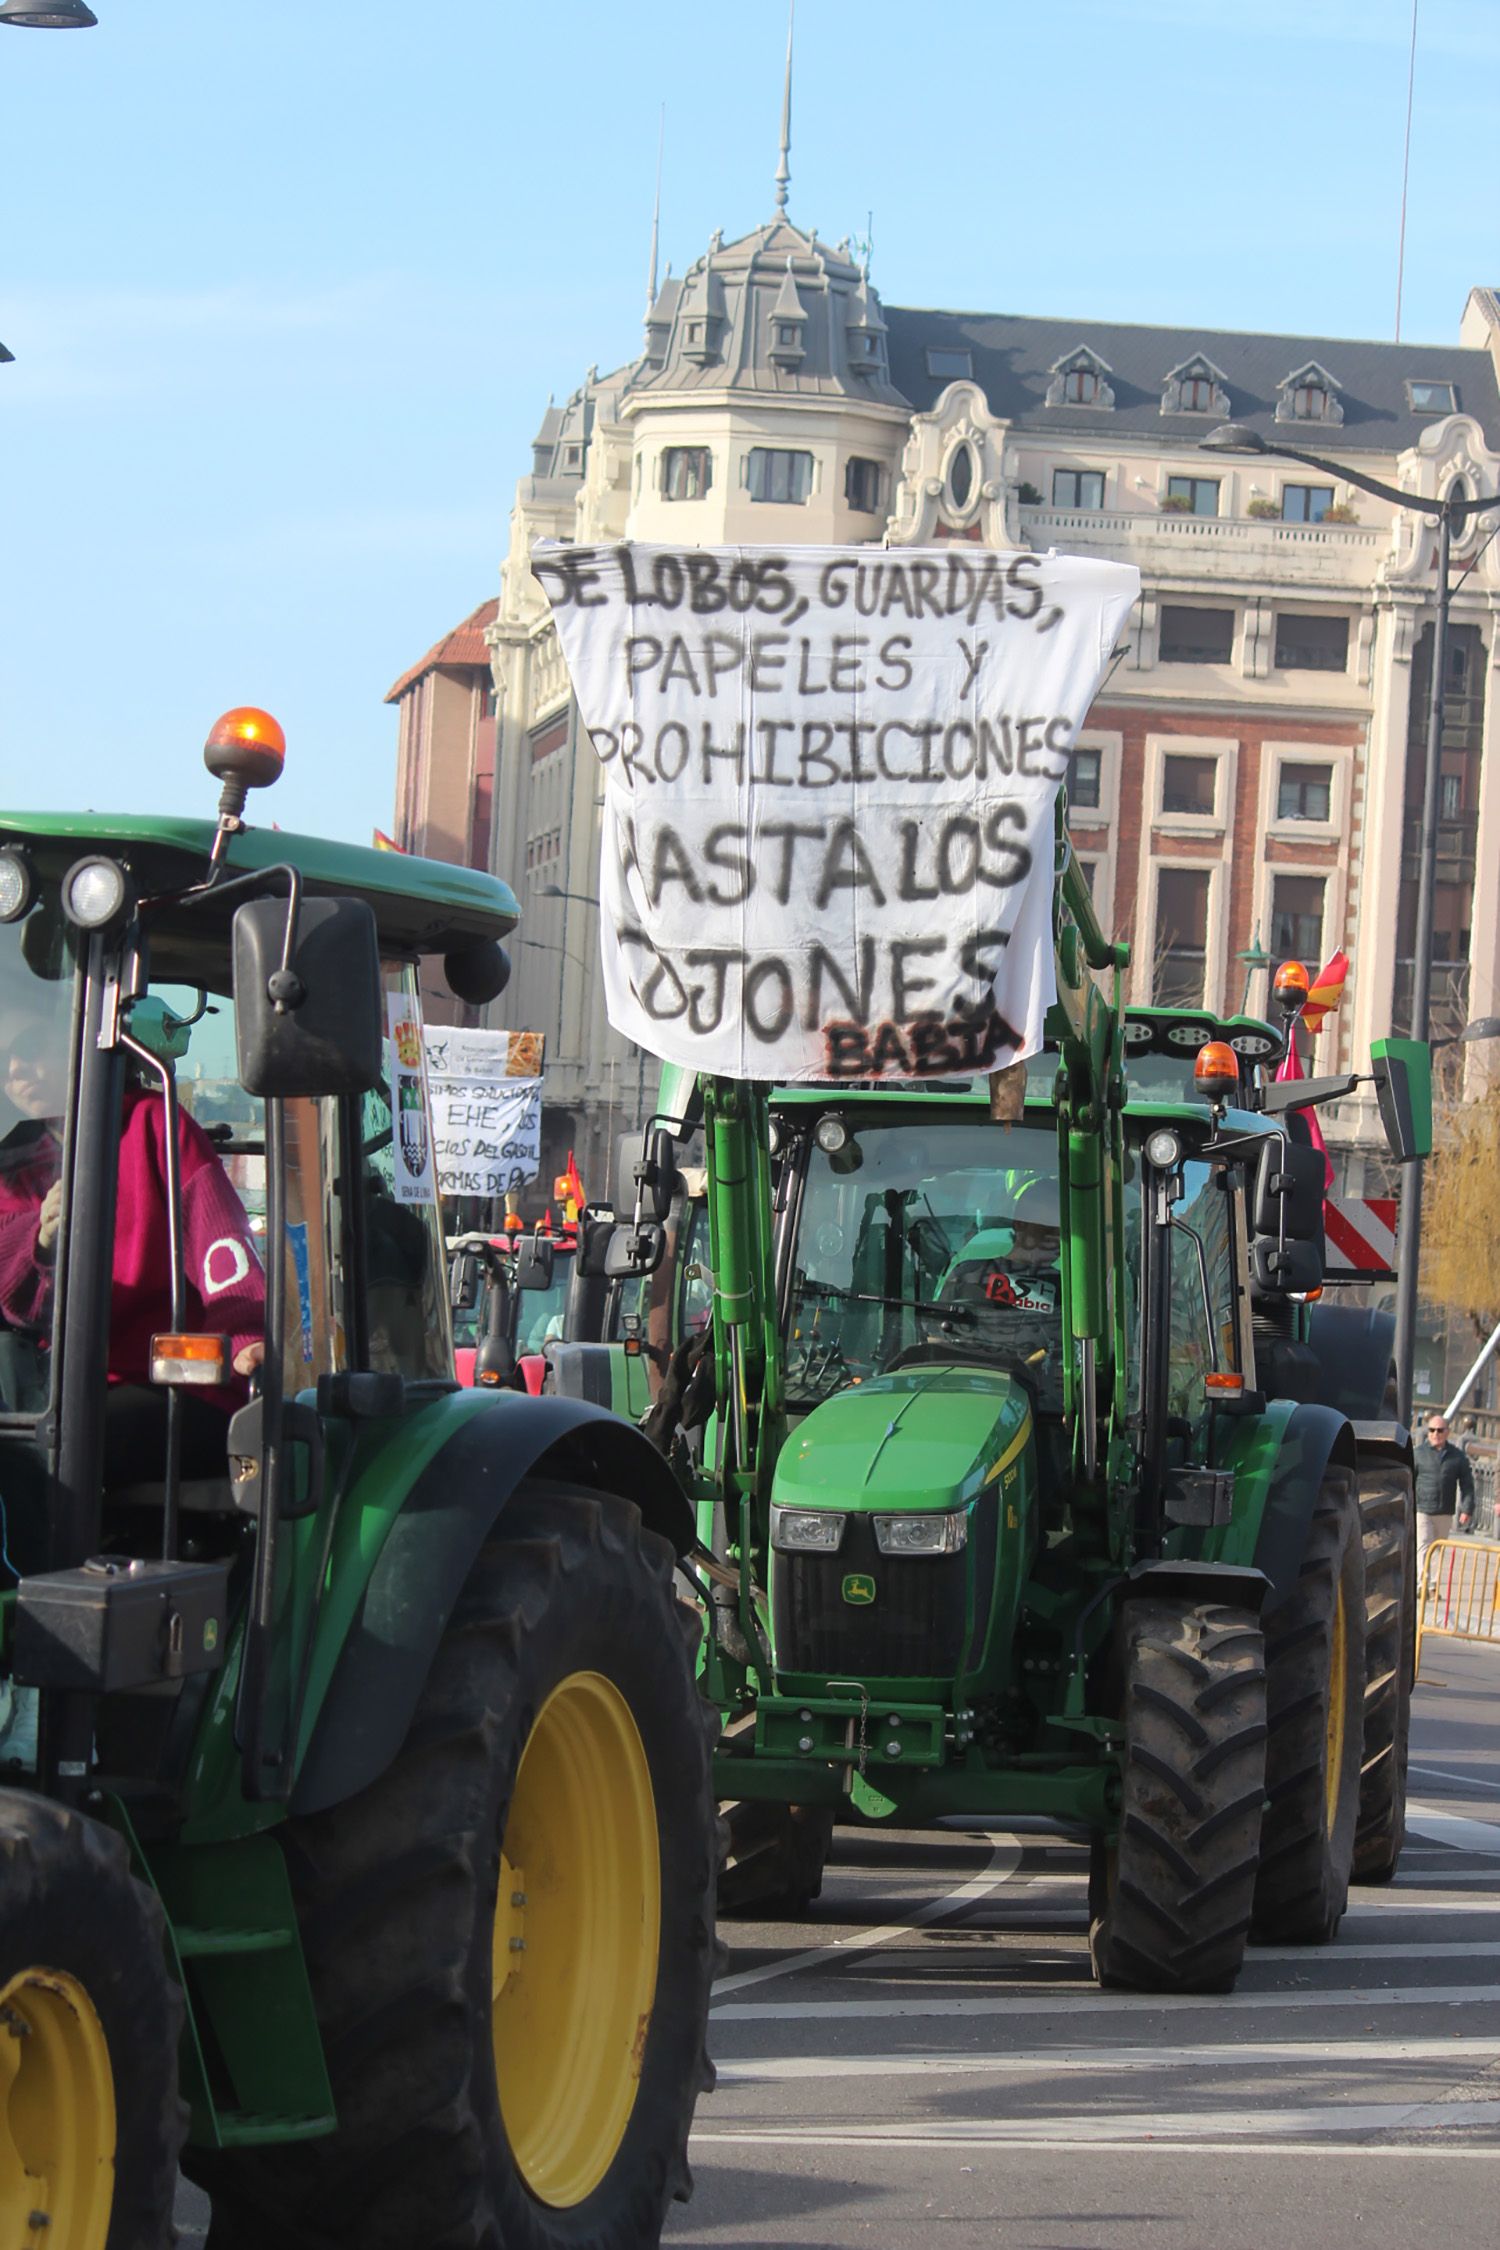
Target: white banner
column 487, row 1125
column 829, row 786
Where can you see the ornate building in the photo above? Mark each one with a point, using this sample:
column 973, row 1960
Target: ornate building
column 1252, row 767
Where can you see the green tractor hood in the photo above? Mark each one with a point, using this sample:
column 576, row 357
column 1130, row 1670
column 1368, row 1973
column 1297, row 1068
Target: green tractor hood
column 926, row 1439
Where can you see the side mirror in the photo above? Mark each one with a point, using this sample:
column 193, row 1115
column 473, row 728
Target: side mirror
column 463, row 1281
column 534, row 1263
column 1403, row 1088
column 635, row 1251
column 327, row 1038
column 657, row 1174
column 1286, row 1218
column 495, row 1359
column 595, row 1229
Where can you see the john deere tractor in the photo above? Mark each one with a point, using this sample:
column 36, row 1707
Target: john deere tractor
column 1019, row 1494
column 356, row 1837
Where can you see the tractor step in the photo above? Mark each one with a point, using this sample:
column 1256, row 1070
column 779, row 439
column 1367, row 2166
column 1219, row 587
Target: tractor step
column 195, row 1942
column 241, row 2128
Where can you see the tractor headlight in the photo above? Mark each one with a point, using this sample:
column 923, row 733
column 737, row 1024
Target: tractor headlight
column 94, row 893
column 831, row 1134
column 1163, row 1149
column 16, row 887
column 923, row 1535
column 807, row 1531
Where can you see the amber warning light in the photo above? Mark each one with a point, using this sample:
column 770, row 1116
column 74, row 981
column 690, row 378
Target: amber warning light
column 1216, row 1070
column 1291, row 987
column 246, row 750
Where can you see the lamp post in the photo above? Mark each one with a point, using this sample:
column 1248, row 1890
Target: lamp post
column 56, row 15
column 1254, row 956
column 1450, row 514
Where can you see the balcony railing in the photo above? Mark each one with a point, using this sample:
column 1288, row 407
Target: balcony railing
column 1149, row 523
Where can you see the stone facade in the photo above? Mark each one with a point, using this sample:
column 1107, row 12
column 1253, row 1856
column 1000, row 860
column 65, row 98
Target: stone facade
column 1246, row 768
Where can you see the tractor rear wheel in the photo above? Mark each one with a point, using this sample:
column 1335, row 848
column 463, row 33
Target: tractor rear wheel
column 776, row 1857
column 1169, row 1900
column 1315, row 1677
column 90, row 2122
column 510, row 1934
column 1385, row 1509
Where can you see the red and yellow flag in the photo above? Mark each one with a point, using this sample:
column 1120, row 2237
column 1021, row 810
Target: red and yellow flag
column 1328, row 990
column 384, row 843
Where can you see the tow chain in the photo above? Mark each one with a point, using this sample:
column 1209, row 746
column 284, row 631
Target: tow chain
column 864, row 1713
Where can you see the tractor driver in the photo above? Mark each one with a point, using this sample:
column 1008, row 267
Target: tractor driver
column 225, row 1283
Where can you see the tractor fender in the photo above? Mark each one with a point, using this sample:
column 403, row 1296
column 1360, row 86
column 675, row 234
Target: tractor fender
column 1383, row 1441
column 450, row 1509
column 1313, row 1439
column 1355, row 1347
column 1190, row 1580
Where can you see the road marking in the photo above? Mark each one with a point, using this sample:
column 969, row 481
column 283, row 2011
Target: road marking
column 1452, row 1828
column 1445, row 1773
column 1072, row 1948
column 1004, row 1860
column 1101, row 2004
column 1427, row 1878
column 1104, row 2062
column 1222, row 2129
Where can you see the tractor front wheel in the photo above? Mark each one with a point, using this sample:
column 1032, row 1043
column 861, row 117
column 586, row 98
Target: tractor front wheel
column 1315, row 1681
column 510, row 1934
column 90, row 2122
column 1169, row 1899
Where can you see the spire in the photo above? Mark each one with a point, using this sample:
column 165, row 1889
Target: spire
column 661, row 136
column 783, row 169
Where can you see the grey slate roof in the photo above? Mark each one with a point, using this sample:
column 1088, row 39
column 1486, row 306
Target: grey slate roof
column 1013, row 355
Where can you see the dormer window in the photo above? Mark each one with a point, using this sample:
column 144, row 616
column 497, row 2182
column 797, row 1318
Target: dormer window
column 1196, row 387
column 1308, row 394
column 786, row 332
column 1432, row 398
column 788, row 323
column 1080, row 378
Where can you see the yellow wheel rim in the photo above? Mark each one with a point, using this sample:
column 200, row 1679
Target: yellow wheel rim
column 57, row 2116
column 1338, row 1715
column 577, row 1932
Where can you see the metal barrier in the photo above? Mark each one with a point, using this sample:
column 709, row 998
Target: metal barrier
column 1460, row 1592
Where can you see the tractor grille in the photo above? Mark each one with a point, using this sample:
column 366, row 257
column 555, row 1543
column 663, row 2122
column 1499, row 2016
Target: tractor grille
column 914, row 1628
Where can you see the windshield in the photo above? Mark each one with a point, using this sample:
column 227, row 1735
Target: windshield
column 36, row 999
column 929, row 1239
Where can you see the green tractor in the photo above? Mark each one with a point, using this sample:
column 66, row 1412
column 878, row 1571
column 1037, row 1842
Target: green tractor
column 356, row 1831
column 1021, row 1495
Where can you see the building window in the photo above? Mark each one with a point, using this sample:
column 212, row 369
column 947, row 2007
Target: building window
column 1196, row 636
column 1432, row 398
column 1080, row 386
column 1181, row 943
column 1194, row 496
column 1305, row 503
column 950, row 363
column 687, row 471
column 775, row 473
column 1451, row 786
column 1083, row 780
column 788, row 335
column 1304, row 793
column 1078, row 488
column 1196, row 395
column 961, row 477
column 1311, row 644
column 1297, row 918
column 862, row 482
column 1189, row 785
column 1309, row 403
column 1089, row 869
column 572, row 456
column 547, row 740
column 487, row 696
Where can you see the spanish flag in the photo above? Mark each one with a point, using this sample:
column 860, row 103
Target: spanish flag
column 384, row 843
column 1327, row 992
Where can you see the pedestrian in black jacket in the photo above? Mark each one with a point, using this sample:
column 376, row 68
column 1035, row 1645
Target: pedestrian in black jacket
column 1445, row 1488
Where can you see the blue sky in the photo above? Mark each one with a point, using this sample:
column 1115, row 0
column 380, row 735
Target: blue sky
column 289, row 281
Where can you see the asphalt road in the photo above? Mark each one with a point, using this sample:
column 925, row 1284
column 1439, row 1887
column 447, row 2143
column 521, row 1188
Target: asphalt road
column 926, row 2058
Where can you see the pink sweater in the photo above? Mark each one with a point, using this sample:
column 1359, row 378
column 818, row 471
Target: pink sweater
column 225, row 1284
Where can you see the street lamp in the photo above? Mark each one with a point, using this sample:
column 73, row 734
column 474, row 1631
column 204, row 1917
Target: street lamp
column 1450, row 513
column 555, row 890
column 1254, row 956
column 1483, row 1027
column 56, row 15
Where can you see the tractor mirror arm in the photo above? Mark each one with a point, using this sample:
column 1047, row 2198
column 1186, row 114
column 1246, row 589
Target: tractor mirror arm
column 1284, row 1095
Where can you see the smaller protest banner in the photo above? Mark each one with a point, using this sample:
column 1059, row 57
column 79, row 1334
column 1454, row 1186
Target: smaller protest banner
column 487, row 1122
column 411, row 1136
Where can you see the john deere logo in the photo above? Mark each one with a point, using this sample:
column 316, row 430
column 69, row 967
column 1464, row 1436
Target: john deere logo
column 859, row 1589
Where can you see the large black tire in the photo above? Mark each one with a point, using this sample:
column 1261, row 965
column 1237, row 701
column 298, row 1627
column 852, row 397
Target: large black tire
column 406, row 1936
column 1389, row 1527
column 1169, row 1901
column 85, row 1997
column 775, row 1859
column 1315, row 1676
